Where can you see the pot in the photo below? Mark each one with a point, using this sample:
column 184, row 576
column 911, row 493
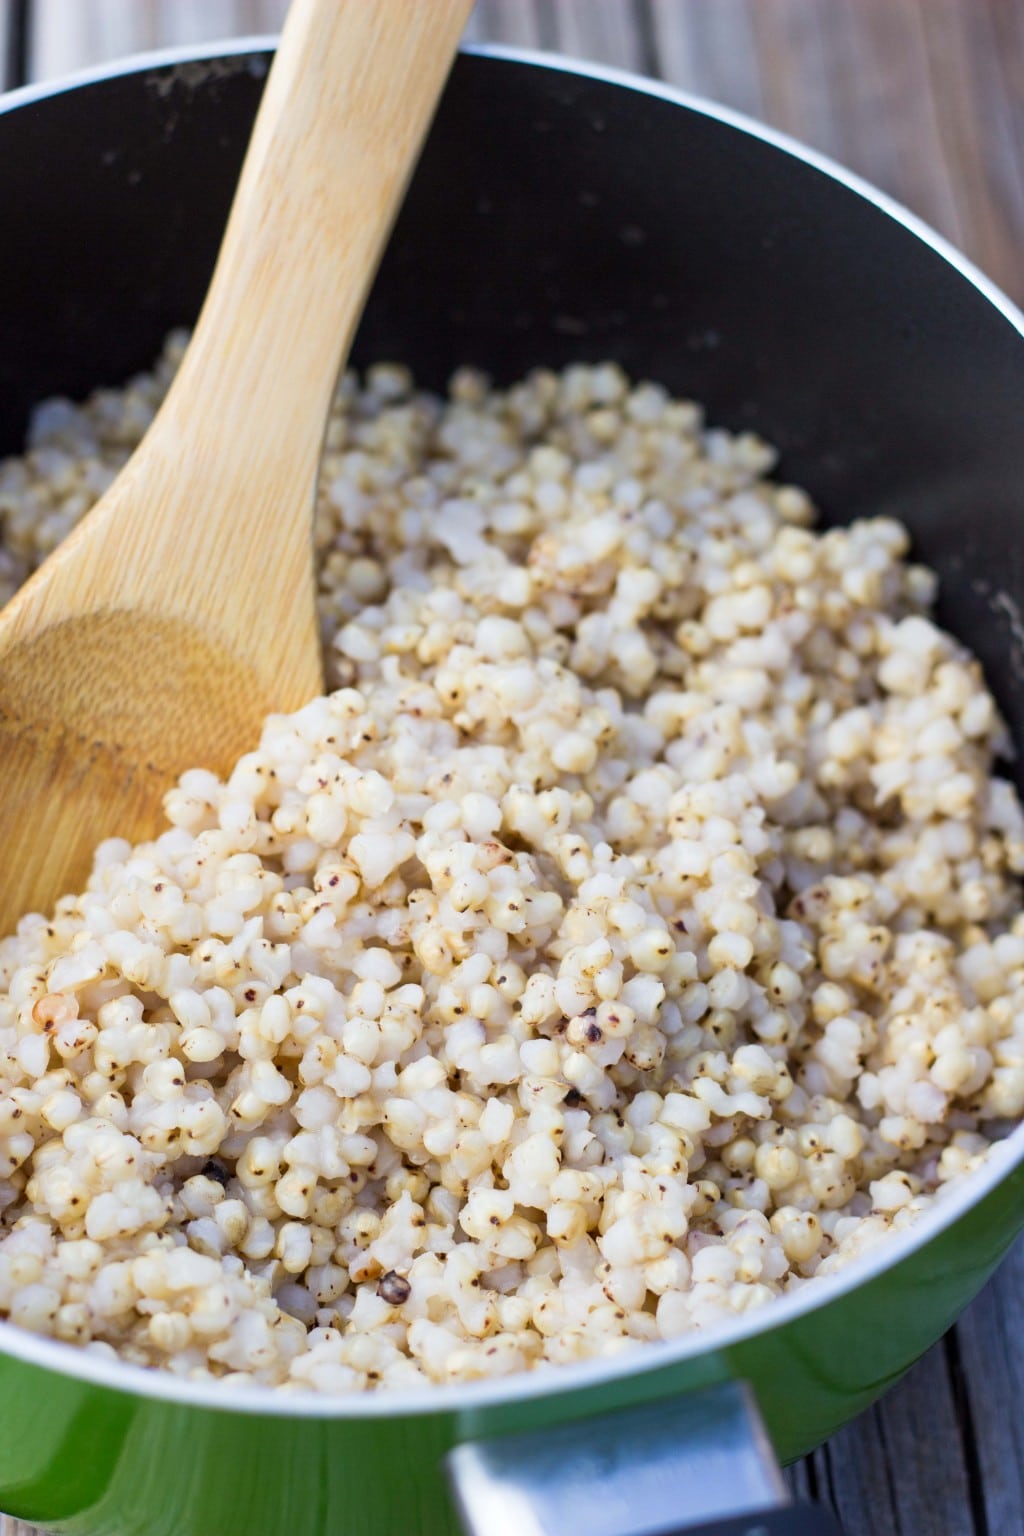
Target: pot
column 559, row 213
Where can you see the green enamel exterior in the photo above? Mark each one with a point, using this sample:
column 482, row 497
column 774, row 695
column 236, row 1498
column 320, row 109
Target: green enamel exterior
column 81, row 1458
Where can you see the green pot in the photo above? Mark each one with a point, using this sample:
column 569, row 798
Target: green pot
column 793, row 300
column 90, row 1447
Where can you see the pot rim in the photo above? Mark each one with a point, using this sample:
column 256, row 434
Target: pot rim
column 952, row 1202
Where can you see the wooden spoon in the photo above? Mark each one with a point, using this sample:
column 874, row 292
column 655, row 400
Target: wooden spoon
column 181, row 610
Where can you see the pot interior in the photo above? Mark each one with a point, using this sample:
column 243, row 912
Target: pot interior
column 558, row 217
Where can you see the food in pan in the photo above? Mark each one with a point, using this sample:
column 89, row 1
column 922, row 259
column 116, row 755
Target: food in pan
column 629, row 937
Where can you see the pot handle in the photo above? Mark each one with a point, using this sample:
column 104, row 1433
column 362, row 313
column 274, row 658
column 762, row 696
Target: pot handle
column 699, row 1464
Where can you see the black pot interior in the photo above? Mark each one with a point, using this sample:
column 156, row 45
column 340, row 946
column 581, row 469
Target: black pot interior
column 556, row 217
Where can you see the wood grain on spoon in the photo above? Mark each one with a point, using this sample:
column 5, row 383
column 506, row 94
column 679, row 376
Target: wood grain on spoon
column 182, row 610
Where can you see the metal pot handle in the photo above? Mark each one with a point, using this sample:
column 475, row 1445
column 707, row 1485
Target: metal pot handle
column 700, row 1464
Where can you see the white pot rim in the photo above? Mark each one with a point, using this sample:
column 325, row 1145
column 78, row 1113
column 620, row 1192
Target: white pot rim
column 955, row 1200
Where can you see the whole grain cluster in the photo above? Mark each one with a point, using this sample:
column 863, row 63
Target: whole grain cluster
column 629, row 937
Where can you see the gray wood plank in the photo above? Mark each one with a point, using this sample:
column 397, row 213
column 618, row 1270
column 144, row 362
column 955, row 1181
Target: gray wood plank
column 849, row 77
column 516, row 23
column 67, row 36
column 990, row 1341
column 71, row 34
column 12, row 72
column 604, row 31
column 923, row 97
column 901, row 1469
column 978, row 85
column 712, row 51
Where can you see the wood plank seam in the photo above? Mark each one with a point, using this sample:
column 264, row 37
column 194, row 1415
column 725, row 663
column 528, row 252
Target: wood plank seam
column 968, row 1431
column 16, row 44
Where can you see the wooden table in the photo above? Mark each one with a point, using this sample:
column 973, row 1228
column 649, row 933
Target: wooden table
column 925, row 98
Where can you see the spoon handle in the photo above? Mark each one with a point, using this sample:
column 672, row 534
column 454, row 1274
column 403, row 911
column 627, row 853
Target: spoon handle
column 349, row 99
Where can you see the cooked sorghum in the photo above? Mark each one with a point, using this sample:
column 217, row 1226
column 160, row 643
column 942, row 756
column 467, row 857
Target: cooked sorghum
column 631, row 936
